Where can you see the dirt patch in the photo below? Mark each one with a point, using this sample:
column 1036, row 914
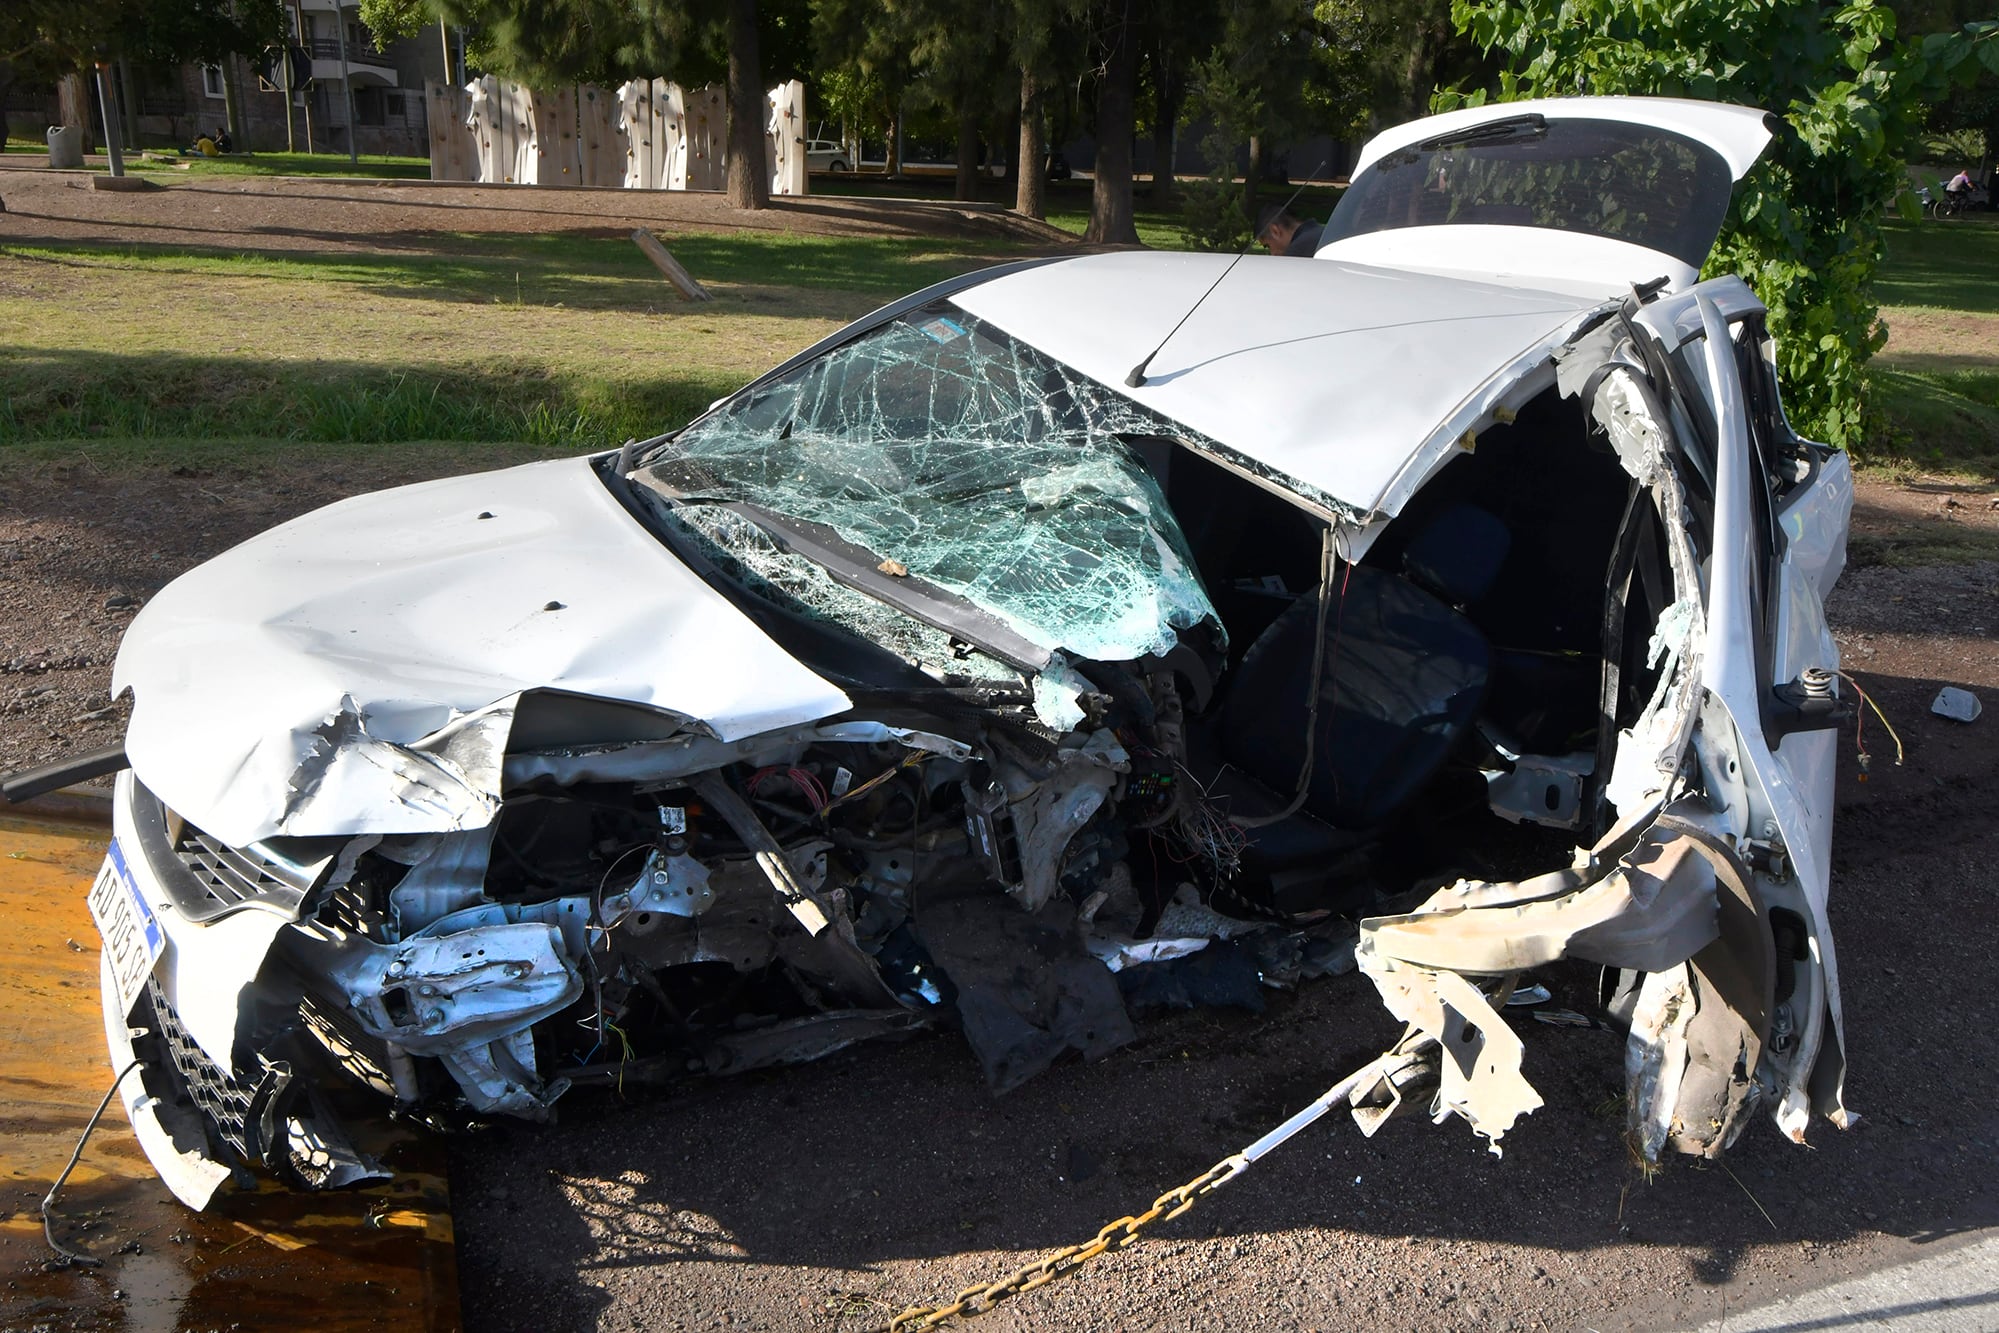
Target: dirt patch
column 1921, row 520
column 1941, row 340
column 304, row 213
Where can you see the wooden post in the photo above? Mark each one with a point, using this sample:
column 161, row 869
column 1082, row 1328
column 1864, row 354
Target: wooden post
column 667, row 264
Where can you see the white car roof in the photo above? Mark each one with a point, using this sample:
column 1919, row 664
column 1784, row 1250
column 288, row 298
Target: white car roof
column 1337, row 375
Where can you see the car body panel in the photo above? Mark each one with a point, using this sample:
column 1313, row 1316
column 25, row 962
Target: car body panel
column 1369, row 370
column 408, row 612
column 1479, row 238
column 1555, row 261
column 1738, row 133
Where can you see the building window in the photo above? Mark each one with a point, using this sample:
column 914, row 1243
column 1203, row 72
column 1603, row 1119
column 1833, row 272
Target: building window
column 393, row 104
column 368, row 106
column 211, row 80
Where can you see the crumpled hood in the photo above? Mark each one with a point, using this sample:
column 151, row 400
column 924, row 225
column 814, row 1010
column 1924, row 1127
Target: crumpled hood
column 318, row 678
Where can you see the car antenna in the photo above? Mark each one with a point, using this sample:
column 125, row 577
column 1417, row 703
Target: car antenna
column 1136, row 380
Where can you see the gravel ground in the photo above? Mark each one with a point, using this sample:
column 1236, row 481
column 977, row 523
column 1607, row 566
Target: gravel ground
column 334, row 214
column 824, row 1196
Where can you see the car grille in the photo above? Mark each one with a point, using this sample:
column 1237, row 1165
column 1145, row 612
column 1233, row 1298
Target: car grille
column 229, row 876
column 206, row 878
column 234, row 1108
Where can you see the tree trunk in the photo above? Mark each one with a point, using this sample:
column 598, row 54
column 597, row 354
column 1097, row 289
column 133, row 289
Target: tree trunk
column 749, row 179
column 893, row 152
column 128, row 105
column 1252, row 179
column 1110, row 201
column 73, row 107
column 967, row 185
column 1165, row 139
column 1005, row 130
column 232, row 105
column 1030, row 194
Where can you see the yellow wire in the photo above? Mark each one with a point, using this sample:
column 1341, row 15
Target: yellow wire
column 1868, row 699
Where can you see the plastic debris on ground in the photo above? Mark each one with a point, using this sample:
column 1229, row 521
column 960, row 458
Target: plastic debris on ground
column 1957, row 705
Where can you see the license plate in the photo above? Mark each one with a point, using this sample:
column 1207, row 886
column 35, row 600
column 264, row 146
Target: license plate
column 132, row 935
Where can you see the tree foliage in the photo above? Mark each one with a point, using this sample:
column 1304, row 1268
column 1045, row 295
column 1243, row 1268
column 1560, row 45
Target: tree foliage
column 1276, row 68
column 1805, row 227
column 45, row 38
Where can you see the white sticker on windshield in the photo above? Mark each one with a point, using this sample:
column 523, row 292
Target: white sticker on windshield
column 943, row 330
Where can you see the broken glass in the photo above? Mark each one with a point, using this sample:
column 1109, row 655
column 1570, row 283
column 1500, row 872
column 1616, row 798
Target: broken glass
column 972, row 461
column 749, row 555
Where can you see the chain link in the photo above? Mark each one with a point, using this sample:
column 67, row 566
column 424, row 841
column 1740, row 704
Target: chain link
column 980, row 1299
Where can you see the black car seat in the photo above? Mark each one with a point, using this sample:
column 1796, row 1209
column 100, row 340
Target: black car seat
column 1405, row 672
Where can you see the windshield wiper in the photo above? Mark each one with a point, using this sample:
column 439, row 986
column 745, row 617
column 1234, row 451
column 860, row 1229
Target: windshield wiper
column 858, row 568
column 1532, row 125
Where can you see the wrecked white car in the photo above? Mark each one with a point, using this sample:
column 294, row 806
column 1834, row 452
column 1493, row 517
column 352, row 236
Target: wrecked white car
column 995, row 664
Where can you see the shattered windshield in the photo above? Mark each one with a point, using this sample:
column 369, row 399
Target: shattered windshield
column 962, row 457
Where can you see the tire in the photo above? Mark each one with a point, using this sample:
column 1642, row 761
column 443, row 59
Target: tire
column 837, row 165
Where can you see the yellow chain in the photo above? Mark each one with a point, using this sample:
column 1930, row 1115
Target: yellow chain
column 980, row 1299
column 1411, row 1052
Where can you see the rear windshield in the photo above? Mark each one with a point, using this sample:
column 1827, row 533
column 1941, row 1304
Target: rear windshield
column 1630, row 183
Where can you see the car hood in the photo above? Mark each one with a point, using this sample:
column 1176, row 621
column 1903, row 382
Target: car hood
column 1343, row 377
column 356, row 669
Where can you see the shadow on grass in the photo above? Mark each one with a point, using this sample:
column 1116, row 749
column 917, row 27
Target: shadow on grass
column 1950, row 265
column 588, row 271
column 62, row 395
column 1936, row 419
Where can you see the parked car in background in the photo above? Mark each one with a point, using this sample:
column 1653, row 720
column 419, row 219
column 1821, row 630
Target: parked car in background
column 825, row 155
column 1065, row 634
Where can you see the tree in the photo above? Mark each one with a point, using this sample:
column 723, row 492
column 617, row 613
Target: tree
column 867, row 44
column 1402, row 52
column 1278, row 67
column 57, row 40
column 46, row 38
column 1805, row 226
column 607, row 41
column 1039, row 31
column 1117, row 38
column 1179, row 33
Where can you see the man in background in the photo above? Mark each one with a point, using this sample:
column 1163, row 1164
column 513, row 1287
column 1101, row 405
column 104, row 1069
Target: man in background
column 1282, row 234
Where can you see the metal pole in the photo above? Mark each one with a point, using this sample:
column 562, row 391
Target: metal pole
column 444, row 38
column 285, row 55
column 346, row 84
column 112, row 144
column 305, row 40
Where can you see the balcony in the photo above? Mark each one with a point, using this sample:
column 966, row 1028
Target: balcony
column 365, row 63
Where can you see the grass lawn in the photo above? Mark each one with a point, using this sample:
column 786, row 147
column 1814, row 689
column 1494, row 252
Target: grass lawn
column 561, row 343
column 253, row 164
column 558, row 343
column 1936, row 385
column 282, row 164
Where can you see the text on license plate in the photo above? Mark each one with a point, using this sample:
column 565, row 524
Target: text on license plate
column 132, row 935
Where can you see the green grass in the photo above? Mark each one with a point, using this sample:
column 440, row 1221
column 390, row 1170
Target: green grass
column 1936, row 388
column 1944, row 265
column 558, row 268
column 283, row 164
column 251, row 164
column 555, row 343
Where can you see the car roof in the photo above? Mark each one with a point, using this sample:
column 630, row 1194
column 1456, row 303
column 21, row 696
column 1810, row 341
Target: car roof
column 1339, row 376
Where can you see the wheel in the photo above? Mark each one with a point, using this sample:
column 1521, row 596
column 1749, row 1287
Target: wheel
column 837, row 165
